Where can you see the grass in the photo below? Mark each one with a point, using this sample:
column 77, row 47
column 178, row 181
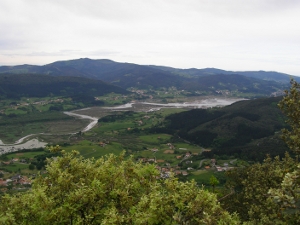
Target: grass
column 105, row 127
column 202, row 176
column 25, row 155
column 15, row 167
column 155, row 138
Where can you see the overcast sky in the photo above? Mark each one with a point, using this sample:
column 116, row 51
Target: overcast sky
column 226, row 34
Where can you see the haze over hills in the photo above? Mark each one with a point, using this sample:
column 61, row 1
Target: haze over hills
column 128, row 75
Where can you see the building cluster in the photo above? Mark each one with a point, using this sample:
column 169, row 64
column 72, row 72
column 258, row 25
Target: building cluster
column 22, row 104
column 14, row 181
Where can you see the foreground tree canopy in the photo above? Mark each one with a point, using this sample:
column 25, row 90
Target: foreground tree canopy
column 110, row 190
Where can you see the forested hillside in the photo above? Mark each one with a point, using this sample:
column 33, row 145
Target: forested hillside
column 246, row 129
column 37, row 85
column 263, row 75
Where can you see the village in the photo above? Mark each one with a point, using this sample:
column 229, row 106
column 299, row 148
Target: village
column 166, row 170
column 27, row 103
column 19, row 180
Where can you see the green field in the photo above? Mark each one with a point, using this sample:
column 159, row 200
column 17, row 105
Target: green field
column 89, row 149
column 24, row 155
column 203, row 176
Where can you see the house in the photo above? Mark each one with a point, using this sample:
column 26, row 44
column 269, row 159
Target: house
column 207, row 167
column 177, row 172
column 164, row 169
column 219, row 168
column 154, row 150
column 170, row 146
column 3, row 182
column 178, row 157
column 102, row 144
column 165, row 175
column 184, row 173
column 24, row 180
column 143, row 159
column 188, row 154
column 160, row 160
column 16, row 177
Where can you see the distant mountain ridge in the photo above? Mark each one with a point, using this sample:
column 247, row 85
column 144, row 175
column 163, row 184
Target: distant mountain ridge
column 263, row 75
column 128, row 75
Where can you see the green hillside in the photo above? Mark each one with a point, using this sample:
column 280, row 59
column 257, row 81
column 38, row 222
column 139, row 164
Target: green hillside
column 246, row 128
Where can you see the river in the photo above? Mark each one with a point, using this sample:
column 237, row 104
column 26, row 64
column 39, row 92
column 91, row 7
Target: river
column 135, row 106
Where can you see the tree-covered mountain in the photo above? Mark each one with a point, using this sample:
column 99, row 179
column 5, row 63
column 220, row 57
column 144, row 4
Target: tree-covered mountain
column 233, row 83
column 37, row 85
column 246, row 129
column 262, row 75
column 128, row 75
column 122, row 74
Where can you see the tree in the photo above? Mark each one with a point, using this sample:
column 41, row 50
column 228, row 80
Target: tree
column 110, row 190
column 250, row 186
column 31, row 166
column 290, row 105
column 287, row 196
column 213, row 181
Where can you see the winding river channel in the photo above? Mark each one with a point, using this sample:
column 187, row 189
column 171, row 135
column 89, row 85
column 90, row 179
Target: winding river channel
column 31, row 142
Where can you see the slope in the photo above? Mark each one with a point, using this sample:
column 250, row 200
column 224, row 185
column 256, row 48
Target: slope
column 246, row 128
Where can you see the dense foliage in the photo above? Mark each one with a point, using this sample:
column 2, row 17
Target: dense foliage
column 290, row 105
column 250, row 186
column 110, row 190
